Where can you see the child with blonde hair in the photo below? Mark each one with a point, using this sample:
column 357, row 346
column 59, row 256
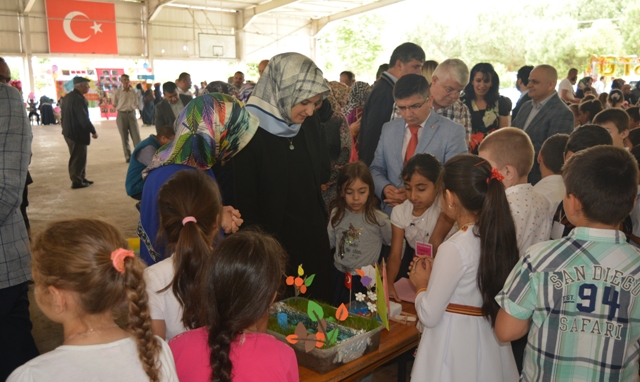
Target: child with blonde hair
column 510, row 151
column 83, row 273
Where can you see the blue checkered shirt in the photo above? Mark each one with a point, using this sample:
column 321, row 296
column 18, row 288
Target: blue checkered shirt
column 580, row 294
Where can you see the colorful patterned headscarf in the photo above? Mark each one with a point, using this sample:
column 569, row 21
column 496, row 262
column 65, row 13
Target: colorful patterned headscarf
column 213, row 127
column 338, row 96
column 358, row 96
column 288, row 79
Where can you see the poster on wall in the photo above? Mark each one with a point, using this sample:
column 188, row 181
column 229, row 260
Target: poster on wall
column 108, row 82
column 93, row 96
column 81, row 27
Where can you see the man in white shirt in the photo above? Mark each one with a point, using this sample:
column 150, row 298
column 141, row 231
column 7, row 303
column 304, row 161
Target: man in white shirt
column 599, row 85
column 566, row 90
column 184, row 84
column 126, row 103
column 551, row 160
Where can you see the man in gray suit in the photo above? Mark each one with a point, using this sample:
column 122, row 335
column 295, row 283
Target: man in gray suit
column 420, row 130
column 171, row 105
column 545, row 114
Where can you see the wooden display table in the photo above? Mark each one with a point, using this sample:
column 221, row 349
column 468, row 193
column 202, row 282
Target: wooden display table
column 393, row 343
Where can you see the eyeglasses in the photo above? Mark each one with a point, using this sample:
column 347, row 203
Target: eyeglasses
column 452, row 91
column 413, row 107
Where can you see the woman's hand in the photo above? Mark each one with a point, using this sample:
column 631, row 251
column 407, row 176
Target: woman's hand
column 420, row 272
column 231, row 219
column 355, row 128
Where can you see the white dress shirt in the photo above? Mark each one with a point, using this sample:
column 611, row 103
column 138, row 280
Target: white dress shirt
column 552, row 187
column 535, row 109
column 530, row 212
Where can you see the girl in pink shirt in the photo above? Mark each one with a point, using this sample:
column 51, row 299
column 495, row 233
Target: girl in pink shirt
column 241, row 281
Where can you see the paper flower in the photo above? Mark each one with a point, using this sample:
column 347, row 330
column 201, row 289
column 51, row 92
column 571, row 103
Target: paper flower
column 372, row 296
column 366, row 281
column 372, row 307
column 360, row 296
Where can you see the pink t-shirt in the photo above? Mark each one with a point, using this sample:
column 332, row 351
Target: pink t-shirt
column 260, row 357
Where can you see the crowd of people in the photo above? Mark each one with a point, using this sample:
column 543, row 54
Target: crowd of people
column 517, row 225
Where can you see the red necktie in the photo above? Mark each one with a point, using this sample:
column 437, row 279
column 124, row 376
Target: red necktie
column 413, row 143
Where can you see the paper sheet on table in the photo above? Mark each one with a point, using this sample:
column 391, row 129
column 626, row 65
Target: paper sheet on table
column 405, row 290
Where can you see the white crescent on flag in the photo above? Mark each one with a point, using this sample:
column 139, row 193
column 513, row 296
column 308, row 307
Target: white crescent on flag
column 67, row 26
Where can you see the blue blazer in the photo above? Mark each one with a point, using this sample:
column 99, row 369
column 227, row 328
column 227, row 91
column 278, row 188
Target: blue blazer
column 441, row 137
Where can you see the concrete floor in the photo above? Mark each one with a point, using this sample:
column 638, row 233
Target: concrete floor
column 51, row 198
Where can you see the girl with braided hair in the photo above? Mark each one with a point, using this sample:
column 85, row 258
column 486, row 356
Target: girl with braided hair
column 83, row 273
column 241, row 280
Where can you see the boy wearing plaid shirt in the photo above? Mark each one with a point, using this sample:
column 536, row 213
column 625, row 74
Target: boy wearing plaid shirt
column 576, row 296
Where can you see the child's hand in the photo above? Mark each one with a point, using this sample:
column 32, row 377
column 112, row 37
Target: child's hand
column 421, row 272
column 394, row 196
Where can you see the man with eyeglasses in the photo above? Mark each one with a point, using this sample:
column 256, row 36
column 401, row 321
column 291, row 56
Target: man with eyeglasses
column 448, row 80
column 418, row 131
column 17, row 345
column 171, row 105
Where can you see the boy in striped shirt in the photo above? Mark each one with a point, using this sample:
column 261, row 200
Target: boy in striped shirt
column 576, row 296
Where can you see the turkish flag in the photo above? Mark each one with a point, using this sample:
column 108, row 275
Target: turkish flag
column 348, row 280
column 81, row 27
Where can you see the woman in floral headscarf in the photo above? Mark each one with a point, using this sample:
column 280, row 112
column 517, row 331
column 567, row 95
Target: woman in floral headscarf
column 338, row 137
column 489, row 110
column 211, row 129
column 278, row 175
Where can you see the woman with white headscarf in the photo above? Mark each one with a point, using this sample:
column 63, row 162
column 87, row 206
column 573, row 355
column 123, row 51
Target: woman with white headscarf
column 278, row 175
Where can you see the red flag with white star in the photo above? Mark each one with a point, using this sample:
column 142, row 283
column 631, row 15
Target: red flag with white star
column 81, row 27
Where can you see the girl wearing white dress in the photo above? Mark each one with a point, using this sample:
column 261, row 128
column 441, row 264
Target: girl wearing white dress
column 82, row 277
column 455, row 302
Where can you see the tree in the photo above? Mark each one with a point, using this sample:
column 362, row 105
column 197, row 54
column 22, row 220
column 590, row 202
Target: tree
column 356, row 41
column 629, row 30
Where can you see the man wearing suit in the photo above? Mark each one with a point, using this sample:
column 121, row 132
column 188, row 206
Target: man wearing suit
column 521, row 84
column 420, row 130
column 171, row 105
column 406, row 58
column 545, row 114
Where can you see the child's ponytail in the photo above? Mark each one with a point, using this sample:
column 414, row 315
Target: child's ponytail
column 140, row 319
column 480, row 191
column 79, row 255
column 499, row 246
column 241, row 280
column 189, row 208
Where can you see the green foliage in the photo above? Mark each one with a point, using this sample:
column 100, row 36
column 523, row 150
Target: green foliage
column 630, row 29
column 315, row 311
column 561, row 33
column 356, row 42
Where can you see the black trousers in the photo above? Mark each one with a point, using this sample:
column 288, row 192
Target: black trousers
column 16, row 342
column 77, row 161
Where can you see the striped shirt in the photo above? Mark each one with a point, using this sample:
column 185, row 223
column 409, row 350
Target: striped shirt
column 580, row 293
